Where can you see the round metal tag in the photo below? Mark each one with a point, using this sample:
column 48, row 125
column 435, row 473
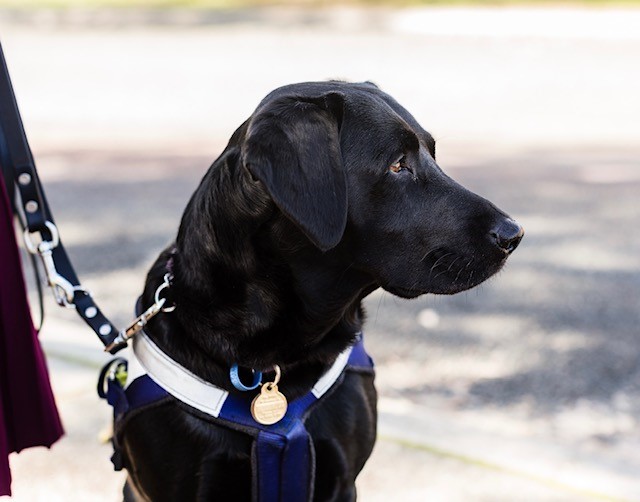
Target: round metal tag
column 270, row 406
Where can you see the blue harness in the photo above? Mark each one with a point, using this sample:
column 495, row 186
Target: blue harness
column 283, row 457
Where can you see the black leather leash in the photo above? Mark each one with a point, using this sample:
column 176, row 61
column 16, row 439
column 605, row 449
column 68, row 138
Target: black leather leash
column 7, row 173
column 21, row 179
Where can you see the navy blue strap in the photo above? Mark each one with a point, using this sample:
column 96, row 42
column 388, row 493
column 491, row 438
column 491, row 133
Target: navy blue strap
column 283, row 452
column 267, row 462
column 359, row 359
column 298, row 465
column 144, row 391
column 283, row 465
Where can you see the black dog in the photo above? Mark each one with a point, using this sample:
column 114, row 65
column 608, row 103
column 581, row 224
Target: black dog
column 329, row 191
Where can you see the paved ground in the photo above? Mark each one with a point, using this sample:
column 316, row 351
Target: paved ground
column 526, row 388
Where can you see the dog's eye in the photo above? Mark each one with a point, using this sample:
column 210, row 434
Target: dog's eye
column 400, row 165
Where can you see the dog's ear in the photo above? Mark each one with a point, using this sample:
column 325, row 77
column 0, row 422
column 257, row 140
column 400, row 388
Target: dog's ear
column 293, row 147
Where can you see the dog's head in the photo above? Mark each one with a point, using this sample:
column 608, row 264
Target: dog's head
column 356, row 174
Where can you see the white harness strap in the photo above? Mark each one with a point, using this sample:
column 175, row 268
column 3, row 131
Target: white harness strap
column 147, row 358
column 327, row 380
column 176, row 379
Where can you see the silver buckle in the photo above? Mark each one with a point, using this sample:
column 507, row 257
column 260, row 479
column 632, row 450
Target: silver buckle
column 63, row 290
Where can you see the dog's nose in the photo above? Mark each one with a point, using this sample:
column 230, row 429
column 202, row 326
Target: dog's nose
column 507, row 234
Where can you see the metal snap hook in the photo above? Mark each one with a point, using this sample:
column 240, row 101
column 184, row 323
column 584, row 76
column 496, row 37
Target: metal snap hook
column 43, row 245
column 161, row 301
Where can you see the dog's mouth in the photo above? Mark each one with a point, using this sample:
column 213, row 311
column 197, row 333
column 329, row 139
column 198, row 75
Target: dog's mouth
column 447, row 272
column 404, row 292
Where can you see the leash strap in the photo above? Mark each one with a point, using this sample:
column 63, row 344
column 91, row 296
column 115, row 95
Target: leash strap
column 19, row 170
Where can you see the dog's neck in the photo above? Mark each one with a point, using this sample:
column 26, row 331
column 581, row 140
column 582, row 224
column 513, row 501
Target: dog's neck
column 249, row 294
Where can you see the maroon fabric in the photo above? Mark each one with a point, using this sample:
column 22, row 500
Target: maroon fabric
column 28, row 414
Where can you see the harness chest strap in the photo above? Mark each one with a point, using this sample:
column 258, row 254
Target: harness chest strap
column 282, row 457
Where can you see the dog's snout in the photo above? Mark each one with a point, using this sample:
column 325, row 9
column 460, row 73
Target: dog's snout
column 507, row 234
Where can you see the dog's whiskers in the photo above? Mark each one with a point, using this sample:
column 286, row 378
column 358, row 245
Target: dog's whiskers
column 437, row 262
column 470, row 280
column 426, row 255
column 378, row 309
column 462, row 269
column 452, row 264
column 448, row 268
column 441, row 258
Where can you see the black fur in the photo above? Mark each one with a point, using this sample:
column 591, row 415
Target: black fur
column 292, row 226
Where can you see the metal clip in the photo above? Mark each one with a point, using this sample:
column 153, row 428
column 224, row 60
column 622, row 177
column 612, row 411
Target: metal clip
column 63, row 290
column 114, row 370
column 141, row 321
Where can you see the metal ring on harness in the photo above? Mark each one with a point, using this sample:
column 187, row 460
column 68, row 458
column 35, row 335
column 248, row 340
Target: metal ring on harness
column 164, row 285
column 237, row 383
column 276, row 379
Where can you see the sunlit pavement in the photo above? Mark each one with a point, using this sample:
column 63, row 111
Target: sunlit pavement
column 526, row 388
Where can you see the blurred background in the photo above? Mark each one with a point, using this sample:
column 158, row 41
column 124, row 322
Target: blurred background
column 525, row 388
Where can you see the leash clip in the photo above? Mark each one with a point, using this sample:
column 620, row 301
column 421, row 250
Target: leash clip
column 141, row 321
column 63, row 290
